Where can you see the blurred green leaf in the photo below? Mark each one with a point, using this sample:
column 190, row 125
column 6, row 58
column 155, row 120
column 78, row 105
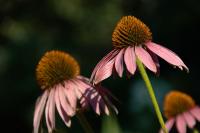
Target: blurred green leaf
column 110, row 125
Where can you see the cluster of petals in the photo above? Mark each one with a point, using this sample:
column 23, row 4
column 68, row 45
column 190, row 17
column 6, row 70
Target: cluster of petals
column 184, row 120
column 118, row 58
column 64, row 97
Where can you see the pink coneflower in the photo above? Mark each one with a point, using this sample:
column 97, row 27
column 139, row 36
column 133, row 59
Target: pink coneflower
column 58, row 74
column 132, row 40
column 180, row 109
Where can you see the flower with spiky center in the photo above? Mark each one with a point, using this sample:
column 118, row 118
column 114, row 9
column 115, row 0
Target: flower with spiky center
column 132, row 40
column 58, row 74
column 181, row 109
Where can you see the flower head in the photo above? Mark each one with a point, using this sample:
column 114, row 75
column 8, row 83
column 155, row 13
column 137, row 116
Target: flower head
column 132, row 40
column 130, row 31
column 181, row 109
column 58, row 74
column 56, row 67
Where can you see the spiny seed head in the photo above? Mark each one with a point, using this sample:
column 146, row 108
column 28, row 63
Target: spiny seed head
column 176, row 103
column 55, row 67
column 130, row 31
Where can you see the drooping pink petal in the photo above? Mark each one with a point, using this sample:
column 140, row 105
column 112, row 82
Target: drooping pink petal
column 70, row 94
column 103, row 61
column 84, row 92
column 145, row 58
column 130, row 60
column 181, row 124
column 189, row 119
column 81, row 88
column 167, row 55
column 61, row 111
column 196, row 113
column 119, row 61
column 155, row 60
column 169, row 124
column 64, row 103
column 47, row 115
column 50, row 111
column 39, row 111
column 104, row 72
column 78, row 92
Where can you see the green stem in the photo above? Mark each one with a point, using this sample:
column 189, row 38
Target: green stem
column 84, row 123
column 151, row 93
column 195, row 130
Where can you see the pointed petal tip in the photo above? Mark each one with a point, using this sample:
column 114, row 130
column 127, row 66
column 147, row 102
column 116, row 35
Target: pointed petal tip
column 69, row 123
column 186, row 68
column 98, row 113
column 183, row 67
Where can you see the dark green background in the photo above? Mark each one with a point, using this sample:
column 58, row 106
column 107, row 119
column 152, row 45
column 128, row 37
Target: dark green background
column 29, row 28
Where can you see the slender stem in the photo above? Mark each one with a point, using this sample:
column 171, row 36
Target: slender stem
column 84, row 123
column 195, row 130
column 151, row 93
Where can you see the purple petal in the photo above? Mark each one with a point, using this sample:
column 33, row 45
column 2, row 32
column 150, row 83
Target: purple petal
column 103, row 106
column 130, row 60
column 47, row 111
column 196, row 113
column 39, row 111
column 64, row 103
column 119, row 63
column 167, row 55
column 181, row 124
column 169, row 124
column 94, row 101
column 52, row 109
column 189, row 119
column 84, row 103
column 103, row 61
column 61, row 112
column 145, row 58
column 103, row 92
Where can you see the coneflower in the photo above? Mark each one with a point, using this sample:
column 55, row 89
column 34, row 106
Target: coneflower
column 58, row 75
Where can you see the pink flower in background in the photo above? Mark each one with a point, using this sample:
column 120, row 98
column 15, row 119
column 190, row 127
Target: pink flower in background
column 58, row 74
column 181, row 111
column 132, row 40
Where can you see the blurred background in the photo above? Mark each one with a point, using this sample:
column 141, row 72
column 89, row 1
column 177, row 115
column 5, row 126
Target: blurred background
column 29, row 28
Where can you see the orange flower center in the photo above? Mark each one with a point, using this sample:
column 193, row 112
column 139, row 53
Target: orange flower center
column 176, row 103
column 55, row 67
column 130, row 31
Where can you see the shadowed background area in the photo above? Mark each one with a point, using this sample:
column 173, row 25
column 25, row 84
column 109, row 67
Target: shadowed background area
column 83, row 28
